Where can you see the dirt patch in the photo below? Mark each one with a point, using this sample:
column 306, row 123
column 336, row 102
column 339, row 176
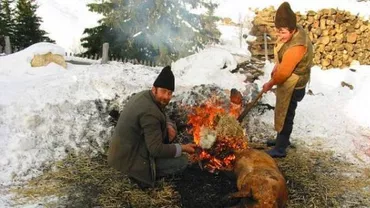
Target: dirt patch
column 199, row 188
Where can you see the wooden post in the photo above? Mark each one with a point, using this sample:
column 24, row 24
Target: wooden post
column 105, row 57
column 240, row 31
column 8, row 48
column 265, row 40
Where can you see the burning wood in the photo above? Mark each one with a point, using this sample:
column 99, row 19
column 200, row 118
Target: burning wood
column 218, row 133
column 224, row 147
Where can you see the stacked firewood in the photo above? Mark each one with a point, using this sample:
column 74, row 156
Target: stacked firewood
column 339, row 37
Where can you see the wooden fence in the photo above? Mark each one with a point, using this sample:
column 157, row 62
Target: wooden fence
column 85, row 59
column 98, row 58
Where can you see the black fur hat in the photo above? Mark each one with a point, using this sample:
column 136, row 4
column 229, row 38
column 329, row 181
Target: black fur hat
column 165, row 79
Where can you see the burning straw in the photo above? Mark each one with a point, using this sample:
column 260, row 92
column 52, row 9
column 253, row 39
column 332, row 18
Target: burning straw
column 218, row 133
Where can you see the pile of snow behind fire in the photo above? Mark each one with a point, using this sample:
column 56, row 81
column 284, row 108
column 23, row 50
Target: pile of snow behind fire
column 50, row 111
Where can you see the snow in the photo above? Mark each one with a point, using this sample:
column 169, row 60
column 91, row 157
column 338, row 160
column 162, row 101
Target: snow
column 48, row 111
column 209, row 66
column 139, row 33
column 22, row 59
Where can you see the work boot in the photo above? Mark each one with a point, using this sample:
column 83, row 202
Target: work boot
column 274, row 152
column 282, row 142
column 140, row 184
column 272, row 142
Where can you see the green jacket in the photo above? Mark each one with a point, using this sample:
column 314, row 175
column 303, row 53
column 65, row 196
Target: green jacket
column 139, row 138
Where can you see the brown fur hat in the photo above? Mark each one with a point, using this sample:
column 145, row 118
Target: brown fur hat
column 285, row 17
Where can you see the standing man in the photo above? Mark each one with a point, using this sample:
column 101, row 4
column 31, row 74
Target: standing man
column 141, row 146
column 293, row 54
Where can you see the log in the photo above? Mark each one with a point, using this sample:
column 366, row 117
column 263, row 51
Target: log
column 259, row 181
column 330, row 30
column 351, row 37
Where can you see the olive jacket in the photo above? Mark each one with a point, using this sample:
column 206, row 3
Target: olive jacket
column 139, row 138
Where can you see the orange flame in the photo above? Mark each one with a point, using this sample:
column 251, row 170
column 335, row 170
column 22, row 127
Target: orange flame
column 221, row 155
column 203, row 116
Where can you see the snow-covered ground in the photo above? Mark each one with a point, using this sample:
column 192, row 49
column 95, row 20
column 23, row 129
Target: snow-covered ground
column 48, row 111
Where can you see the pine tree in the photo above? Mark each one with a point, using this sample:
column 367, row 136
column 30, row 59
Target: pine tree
column 6, row 21
column 27, row 25
column 7, row 14
column 157, row 30
column 2, row 19
column 209, row 20
column 2, row 24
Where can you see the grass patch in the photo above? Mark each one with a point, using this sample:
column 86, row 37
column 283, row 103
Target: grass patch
column 318, row 179
column 314, row 178
column 81, row 181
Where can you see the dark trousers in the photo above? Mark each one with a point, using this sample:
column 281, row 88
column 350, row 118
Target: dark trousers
column 282, row 139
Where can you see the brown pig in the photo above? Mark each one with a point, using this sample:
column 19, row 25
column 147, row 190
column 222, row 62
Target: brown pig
column 259, row 181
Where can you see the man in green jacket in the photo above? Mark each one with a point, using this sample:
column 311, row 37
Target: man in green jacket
column 141, row 146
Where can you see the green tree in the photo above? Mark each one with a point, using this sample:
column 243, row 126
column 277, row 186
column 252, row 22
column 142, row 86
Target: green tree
column 27, row 25
column 209, row 26
column 7, row 14
column 6, row 20
column 157, row 30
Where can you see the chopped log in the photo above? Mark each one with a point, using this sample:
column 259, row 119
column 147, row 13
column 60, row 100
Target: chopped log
column 330, row 30
column 325, row 62
column 259, row 180
column 325, row 40
column 351, row 37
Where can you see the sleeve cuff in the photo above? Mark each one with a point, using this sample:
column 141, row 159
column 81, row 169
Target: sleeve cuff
column 178, row 150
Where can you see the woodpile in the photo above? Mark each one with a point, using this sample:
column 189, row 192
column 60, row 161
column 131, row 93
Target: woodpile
column 338, row 36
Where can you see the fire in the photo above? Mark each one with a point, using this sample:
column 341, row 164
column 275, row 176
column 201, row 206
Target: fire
column 203, row 116
column 206, row 121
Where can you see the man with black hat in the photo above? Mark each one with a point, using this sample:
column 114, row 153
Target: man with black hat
column 141, row 144
column 293, row 54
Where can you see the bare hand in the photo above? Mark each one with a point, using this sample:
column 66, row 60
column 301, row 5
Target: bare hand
column 267, row 86
column 171, row 132
column 188, row 148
